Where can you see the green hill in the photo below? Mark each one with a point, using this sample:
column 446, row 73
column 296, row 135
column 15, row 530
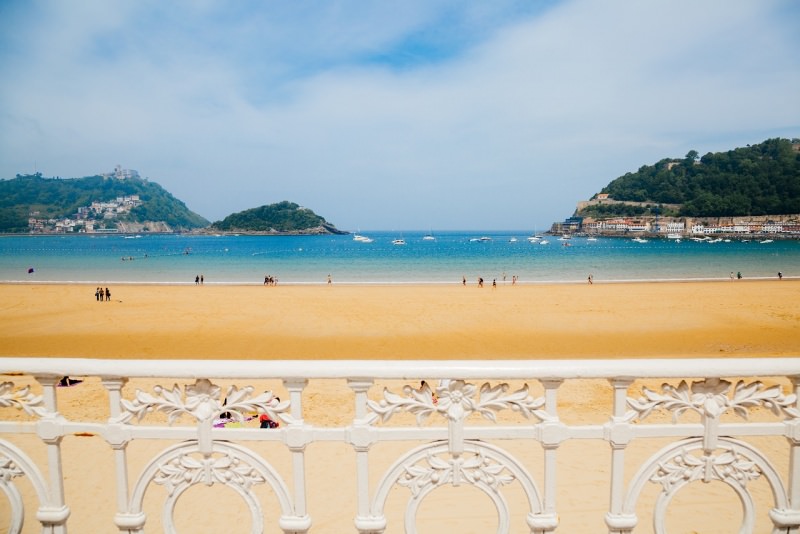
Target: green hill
column 55, row 198
column 762, row 179
column 280, row 218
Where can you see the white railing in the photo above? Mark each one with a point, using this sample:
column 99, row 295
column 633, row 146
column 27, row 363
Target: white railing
column 732, row 424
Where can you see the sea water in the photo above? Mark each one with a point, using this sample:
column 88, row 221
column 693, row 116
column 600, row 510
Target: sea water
column 448, row 258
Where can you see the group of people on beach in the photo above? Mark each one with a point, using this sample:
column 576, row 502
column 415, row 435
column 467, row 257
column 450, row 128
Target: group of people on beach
column 199, row 279
column 270, row 280
column 100, row 294
column 264, row 420
column 494, row 281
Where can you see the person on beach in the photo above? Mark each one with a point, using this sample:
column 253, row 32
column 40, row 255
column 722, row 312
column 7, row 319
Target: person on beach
column 591, row 279
column 494, row 283
column 108, row 295
column 66, row 382
column 480, row 281
column 202, row 279
column 197, row 280
column 329, row 280
column 463, row 280
column 739, row 275
column 780, row 275
column 265, row 421
column 97, row 294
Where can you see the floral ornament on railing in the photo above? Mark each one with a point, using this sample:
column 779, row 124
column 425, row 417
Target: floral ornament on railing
column 710, row 398
column 730, row 466
column 202, row 402
column 456, row 402
column 9, row 469
column 473, row 470
column 186, row 470
column 21, row 399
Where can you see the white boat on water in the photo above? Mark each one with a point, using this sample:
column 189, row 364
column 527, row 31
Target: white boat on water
column 639, row 240
column 544, row 242
column 591, row 239
column 765, row 241
column 512, row 240
column 429, row 238
column 674, row 236
column 361, row 238
column 398, row 241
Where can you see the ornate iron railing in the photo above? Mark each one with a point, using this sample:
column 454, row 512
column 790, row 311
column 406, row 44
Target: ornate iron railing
column 709, row 420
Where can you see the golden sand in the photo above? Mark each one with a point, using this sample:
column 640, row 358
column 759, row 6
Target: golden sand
column 709, row 319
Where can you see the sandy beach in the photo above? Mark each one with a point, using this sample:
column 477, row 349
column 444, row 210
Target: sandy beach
column 633, row 320
column 697, row 319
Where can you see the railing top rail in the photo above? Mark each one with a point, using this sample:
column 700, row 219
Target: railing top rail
column 407, row 369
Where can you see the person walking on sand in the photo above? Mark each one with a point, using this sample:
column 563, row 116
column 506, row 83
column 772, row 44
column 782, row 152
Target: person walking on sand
column 197, row 280
column 202, row 279
column 329, row 280
column 591, row 279
column 780, row 275
column 108, row 295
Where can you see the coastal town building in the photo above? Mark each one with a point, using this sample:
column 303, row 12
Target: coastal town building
column 787, row 226
column 84, row 218
column 655, row 223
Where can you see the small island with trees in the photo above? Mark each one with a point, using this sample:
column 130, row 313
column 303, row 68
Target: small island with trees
column 280, row 218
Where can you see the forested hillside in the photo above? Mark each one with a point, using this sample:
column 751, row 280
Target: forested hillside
column 56, row 198
column 762, row 179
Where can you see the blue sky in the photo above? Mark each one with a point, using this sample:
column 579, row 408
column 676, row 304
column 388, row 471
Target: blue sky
column 420, row 114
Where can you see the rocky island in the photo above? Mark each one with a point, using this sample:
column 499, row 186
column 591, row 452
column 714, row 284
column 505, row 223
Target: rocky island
column 281, row 218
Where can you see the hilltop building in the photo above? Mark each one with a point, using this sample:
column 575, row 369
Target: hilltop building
column 121, row 174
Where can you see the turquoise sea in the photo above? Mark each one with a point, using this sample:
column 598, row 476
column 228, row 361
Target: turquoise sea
column 177, row 259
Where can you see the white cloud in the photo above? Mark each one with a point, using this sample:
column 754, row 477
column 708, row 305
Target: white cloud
column 229, row 110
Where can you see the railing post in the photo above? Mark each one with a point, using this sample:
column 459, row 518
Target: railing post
column 54, row 514
column 117, row 437
column 618, row 435
column 360, row 437
column 790, row 519
column 297, row 437
column 551, row 437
